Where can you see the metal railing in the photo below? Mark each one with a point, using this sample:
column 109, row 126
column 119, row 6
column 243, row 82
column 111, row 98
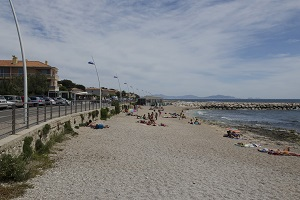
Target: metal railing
column 14, row 120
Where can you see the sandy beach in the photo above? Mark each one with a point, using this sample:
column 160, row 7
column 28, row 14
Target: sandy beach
column 130, row 160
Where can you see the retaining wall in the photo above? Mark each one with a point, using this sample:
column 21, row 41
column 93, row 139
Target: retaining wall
column 13, row 144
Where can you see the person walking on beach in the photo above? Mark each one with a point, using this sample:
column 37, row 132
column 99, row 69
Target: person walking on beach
column 156, row 114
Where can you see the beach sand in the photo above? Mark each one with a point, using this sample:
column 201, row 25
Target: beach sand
column 130, row 160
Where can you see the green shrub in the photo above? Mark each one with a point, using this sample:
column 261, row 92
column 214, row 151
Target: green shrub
column 39, row 146
column 46, row 130
column 89, row 114
column 83, row 124
column 27, row 150
column 104, row 113
column 77, row 127
column 117, row 106
column 93, row 114
column 68, row 128
column 113, row 112
column 82, row 117
column 12, row 168
column 97, row 113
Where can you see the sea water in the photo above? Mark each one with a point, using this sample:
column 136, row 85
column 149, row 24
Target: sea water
column 279, row 119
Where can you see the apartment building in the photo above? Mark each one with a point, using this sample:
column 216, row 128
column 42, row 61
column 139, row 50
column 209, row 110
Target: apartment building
column 14, row 67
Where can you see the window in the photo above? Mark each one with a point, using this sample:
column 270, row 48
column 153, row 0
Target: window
column 44, row 71
column 4, row 71
column 20, row 71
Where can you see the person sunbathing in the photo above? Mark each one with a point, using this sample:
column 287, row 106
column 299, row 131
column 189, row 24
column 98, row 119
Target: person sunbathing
column 232, row 134
column 197, row 122
column 97, row 126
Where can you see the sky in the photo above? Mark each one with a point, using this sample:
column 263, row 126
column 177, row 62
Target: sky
column 245, row 49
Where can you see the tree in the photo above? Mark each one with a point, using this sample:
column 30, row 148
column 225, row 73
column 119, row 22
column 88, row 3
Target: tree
column 123, row 93
column 82, row 87
column 118, row 94
column 37, row 84
column 12, row 86
column 67, row 83
column 63, row 88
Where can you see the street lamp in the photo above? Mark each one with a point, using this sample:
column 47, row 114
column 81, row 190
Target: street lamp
column 127, row 88
column 132, row 89
column 24, row 64
column 119, row 85
column 93, row 63
column 133, row 94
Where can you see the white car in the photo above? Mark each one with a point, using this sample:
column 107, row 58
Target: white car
column 62, row 101
column 3, row 102
column 49, row 101
column 14, row 99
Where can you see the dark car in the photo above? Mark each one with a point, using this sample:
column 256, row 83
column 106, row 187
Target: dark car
column 37, row 101
column 28, row 101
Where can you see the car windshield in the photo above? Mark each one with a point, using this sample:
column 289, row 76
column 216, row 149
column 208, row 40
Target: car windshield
column 8, row 98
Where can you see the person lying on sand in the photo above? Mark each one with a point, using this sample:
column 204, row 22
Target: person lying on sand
column 97, row 126
column 284, row 152
column 197, row 122
column 232, row 134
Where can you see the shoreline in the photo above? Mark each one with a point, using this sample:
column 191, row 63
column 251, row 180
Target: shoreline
column 275, row 137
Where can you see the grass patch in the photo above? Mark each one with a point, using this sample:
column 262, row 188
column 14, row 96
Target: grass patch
column 13, row 190
column 15, row 170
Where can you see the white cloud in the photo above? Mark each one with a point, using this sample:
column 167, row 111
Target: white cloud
column 187, row 47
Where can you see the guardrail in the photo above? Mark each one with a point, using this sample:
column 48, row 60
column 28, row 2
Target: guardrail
column 17, row 119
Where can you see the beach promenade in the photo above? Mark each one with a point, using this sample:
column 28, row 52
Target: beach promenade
column 130, row 160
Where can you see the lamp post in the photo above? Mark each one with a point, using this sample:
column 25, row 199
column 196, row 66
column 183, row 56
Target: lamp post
column 119, row 86
column 100, row 101
column 133, row 94
column 24, row 65
column 127, row 89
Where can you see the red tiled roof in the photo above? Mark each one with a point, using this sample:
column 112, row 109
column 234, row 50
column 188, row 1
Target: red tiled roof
column 9, row 63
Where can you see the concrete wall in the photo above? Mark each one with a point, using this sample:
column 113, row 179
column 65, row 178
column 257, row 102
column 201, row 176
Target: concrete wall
column 13, row 144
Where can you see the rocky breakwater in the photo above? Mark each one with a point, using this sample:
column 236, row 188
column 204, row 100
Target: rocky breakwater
column 239, row 105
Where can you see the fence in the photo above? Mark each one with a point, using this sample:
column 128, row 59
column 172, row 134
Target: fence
column 17, row 119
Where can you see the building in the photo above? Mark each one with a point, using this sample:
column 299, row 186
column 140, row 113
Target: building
column 14, row 67
column 150, row 101
column 105, row 93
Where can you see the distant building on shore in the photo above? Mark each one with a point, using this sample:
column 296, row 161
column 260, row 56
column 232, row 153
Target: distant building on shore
column 150, row 101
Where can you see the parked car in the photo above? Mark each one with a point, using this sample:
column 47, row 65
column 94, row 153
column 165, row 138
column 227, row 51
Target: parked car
column 14, row 99
column 49, row 101
column 62, row 101
column 37, row 101
column 3, row 102
column 28, row 101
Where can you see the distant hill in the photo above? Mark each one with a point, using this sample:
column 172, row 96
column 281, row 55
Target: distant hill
column 195, row 97
column 219, row 97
